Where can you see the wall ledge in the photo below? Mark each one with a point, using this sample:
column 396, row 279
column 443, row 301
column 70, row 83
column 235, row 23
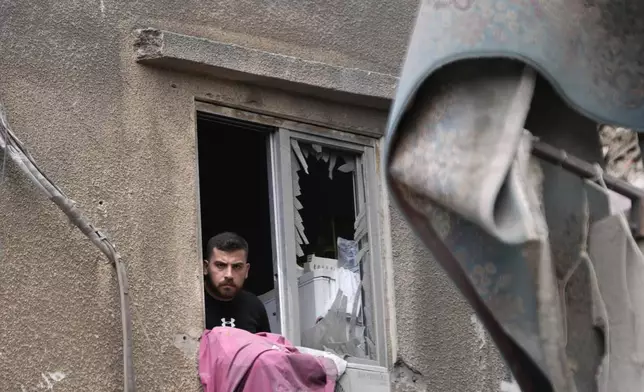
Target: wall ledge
column 174, row 51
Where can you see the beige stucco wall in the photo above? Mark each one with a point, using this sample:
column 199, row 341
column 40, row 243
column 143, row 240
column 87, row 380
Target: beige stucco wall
column 441, row 345
column 119, row 138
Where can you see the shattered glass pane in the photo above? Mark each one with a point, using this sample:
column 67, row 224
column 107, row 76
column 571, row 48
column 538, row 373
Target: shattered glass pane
column 332, row 247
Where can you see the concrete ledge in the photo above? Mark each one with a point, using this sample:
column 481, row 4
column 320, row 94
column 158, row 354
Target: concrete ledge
column 223, row 60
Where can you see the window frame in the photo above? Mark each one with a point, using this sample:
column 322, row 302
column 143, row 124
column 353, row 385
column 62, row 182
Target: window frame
column 283, row 217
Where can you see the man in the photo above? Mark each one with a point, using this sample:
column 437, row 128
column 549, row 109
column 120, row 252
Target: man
column 225, row 270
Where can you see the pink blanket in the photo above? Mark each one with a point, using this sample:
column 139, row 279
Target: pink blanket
column 233, row 360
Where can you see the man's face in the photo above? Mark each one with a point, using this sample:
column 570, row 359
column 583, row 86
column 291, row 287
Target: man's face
column 226, row 272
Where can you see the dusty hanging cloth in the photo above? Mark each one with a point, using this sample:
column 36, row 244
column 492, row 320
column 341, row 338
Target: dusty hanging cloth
column 619, row 264
column 490, row 237
column 573, row 205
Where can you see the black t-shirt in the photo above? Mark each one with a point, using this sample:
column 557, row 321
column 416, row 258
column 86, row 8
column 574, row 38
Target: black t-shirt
column 245, row 311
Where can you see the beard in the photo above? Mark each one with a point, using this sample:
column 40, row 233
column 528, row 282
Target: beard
column 224, row 290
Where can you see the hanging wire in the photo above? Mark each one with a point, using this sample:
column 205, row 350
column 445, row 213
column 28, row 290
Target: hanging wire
column 11, row 146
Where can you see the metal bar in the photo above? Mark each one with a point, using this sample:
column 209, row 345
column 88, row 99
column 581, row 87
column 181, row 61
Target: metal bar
column 284, row 242
column 584, row 169
column 378, row 301
column 588, row 171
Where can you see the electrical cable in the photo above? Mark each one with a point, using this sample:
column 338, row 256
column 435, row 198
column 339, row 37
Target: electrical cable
column 14, row 148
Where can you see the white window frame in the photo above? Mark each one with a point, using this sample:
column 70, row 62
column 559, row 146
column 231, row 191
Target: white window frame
column 283, row 220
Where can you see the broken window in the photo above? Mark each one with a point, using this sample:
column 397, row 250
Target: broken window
column 330, row 251
column 308, row 207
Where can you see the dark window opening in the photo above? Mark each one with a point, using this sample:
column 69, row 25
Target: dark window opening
column 328, row 207
column 233, row 185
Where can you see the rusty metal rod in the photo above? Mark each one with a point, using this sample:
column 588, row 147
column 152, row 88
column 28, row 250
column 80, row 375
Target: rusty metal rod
column 588, row 171
column 584, row 169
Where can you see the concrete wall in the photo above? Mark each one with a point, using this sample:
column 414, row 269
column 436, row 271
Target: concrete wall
column 119, row 138
column 442, row 346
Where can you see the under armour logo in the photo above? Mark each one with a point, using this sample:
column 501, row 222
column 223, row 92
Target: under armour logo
column 230, row 323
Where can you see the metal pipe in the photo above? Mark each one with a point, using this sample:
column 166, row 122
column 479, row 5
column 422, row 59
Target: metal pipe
column 588, row 171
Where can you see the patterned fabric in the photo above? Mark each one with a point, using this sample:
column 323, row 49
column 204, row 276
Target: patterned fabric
column 591, row 50
column 510, row 231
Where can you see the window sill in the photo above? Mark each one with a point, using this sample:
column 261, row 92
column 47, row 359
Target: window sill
column 360, row 377
column 373, row 366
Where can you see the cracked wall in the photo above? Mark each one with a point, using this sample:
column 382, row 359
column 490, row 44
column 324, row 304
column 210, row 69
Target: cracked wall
column 119, row 138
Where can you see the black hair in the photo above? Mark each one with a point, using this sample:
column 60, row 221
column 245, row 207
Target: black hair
column 226, row 242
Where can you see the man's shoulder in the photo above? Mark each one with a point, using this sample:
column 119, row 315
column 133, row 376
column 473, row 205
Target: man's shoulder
column 248, row 296
column 251, row 298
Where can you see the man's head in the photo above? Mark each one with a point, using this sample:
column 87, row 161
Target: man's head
column 226, row 267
